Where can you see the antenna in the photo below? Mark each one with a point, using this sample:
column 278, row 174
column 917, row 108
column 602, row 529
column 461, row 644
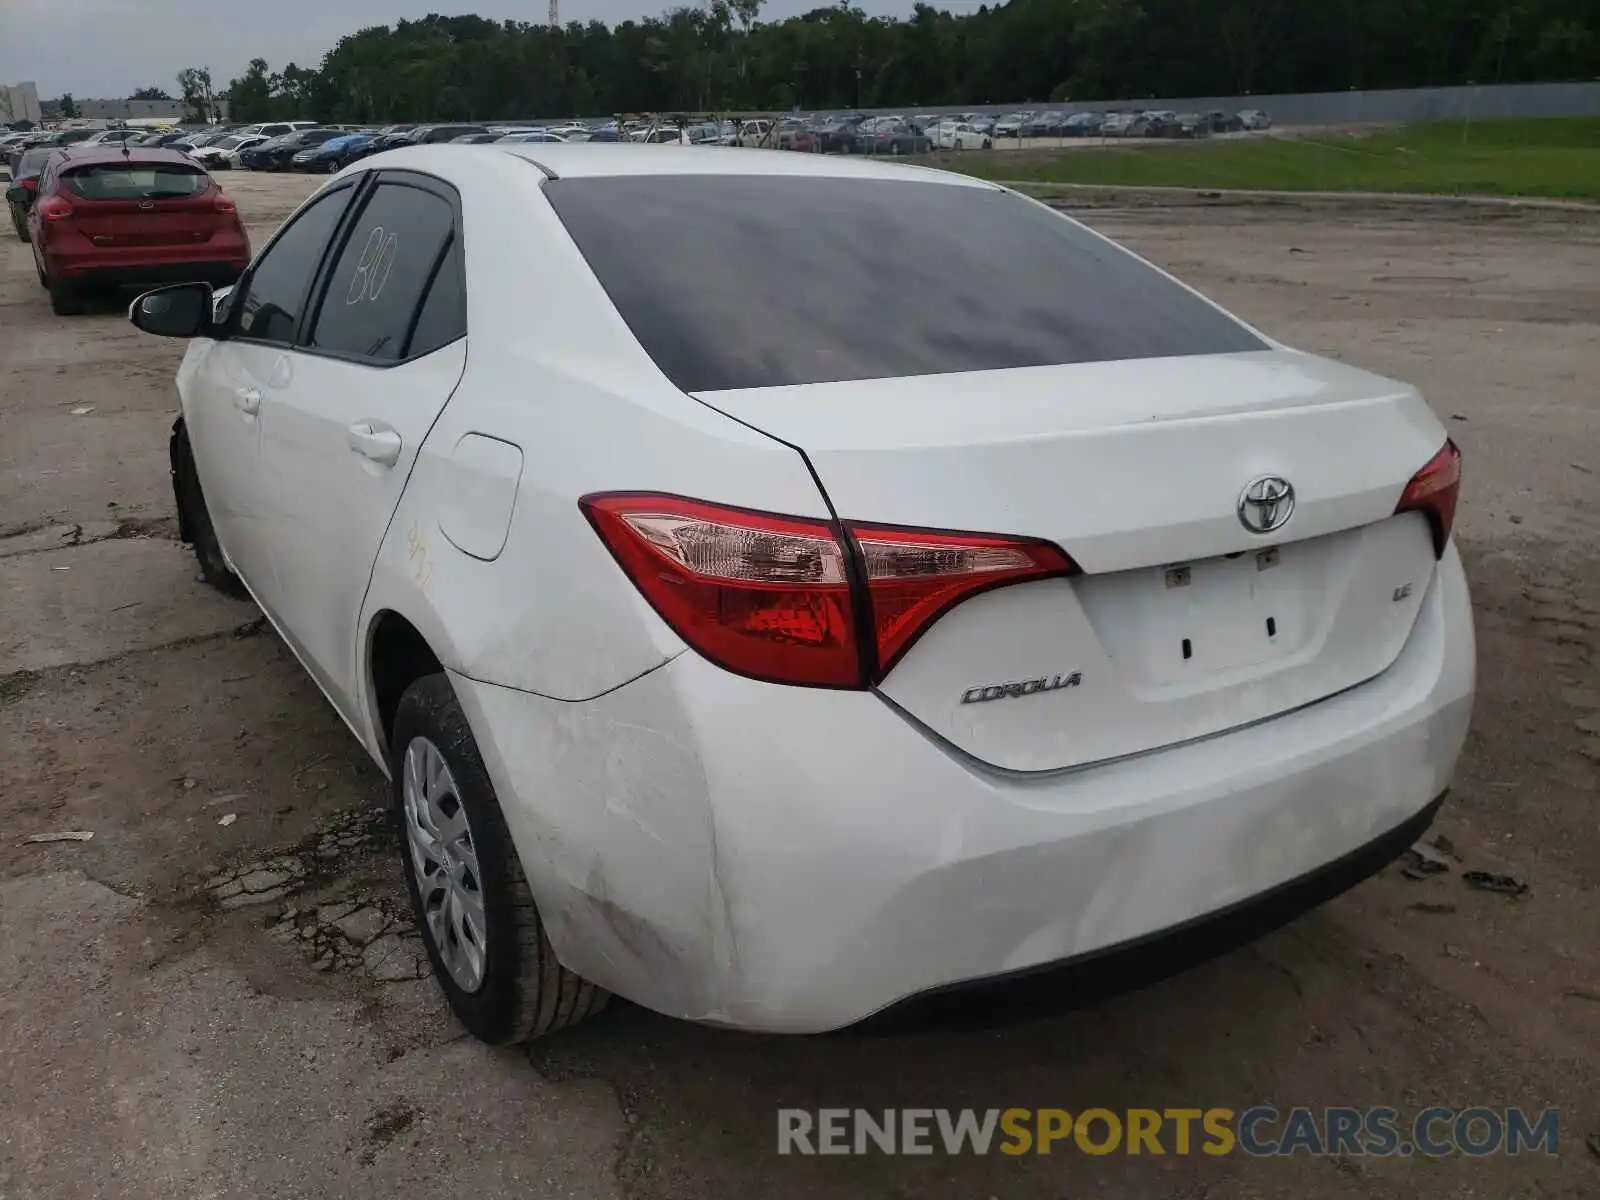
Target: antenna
column 555, row 14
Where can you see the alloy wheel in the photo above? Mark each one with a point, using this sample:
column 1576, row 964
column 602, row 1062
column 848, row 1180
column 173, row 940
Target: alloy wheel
column 444, row 861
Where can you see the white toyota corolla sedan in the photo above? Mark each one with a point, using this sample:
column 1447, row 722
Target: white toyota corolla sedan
column 767, row 621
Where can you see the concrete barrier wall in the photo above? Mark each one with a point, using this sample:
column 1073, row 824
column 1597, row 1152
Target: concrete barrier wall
column 1407, row 104
column 1334, row 108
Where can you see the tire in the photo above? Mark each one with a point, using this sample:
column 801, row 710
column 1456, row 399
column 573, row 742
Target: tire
column 523, row 992
column 18, row 224
column 65, row 300
column 333, row 166
column 987, row 144
column 194, row 518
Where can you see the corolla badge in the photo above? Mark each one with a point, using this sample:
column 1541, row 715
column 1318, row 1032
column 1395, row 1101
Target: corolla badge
column 1024, row 687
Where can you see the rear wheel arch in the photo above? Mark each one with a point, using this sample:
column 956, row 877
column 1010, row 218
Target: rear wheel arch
column 397, row 656
column 517, row 989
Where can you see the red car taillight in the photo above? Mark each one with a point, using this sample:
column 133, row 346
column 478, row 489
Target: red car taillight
column 54, row 208
column 31, row 184
column 223, row 205
column 1433, row 490
column 791, row 599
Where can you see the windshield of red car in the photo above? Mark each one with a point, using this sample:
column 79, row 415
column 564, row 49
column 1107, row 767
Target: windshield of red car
column 135, row 180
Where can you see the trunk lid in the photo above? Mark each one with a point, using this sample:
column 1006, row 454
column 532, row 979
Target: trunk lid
column 143, row 204
column 1183, row 623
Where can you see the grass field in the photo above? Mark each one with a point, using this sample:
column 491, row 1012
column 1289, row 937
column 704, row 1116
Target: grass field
column 1551, row 157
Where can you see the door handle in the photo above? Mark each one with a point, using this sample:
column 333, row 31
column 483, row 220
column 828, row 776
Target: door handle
column 249, row 400
column 374, row 441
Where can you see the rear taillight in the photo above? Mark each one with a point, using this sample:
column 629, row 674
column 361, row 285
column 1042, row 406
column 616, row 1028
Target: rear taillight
column 54, row 208
column 31, row 185
column 795, row 599
column 916, row 575
column 762, row 595
column 1433, row 490
column 223, row 205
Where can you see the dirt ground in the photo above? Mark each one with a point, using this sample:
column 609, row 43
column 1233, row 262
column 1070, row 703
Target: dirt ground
column 167, row 1031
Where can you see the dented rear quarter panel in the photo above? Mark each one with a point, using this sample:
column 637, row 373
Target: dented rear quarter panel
column 609, row 806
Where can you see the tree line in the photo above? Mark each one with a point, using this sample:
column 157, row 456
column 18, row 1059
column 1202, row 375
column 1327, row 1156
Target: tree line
column 722, row 57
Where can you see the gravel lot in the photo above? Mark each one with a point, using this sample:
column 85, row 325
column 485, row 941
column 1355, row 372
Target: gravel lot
column 166, row 1032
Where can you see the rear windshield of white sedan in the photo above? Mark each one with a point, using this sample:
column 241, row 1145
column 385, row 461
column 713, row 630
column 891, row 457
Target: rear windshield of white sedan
column 766, row 281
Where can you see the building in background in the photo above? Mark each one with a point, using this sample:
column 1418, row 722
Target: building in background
column 127, row 110
column 19, row 102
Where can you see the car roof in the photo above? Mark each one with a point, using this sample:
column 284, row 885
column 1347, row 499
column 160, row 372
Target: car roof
column 578, row 160
column 145, row 155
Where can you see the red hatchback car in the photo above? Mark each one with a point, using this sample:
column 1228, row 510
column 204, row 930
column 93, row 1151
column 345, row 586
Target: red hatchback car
column 104, row 218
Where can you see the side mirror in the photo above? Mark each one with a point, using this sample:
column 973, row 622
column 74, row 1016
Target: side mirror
column 17, row 194
column 182, row 310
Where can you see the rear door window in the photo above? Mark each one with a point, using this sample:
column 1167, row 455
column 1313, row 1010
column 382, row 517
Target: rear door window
column 135, row 181
column 376, row 286
column 769, row 281
column 443, row 318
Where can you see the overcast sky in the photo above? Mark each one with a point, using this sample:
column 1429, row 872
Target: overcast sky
column 106, row 48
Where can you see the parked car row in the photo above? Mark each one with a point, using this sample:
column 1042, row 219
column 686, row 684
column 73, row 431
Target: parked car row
column 328, row 149
column 1111, row 123
column 858, row 133
column 289, row 145
column 318, row 147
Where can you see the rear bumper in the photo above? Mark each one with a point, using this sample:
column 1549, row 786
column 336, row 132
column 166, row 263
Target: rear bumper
column 1093, row 976
column 134, row 274
column 220, row 259
column 795, row 859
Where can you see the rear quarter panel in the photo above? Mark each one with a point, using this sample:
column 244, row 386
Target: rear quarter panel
column 553, row 370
